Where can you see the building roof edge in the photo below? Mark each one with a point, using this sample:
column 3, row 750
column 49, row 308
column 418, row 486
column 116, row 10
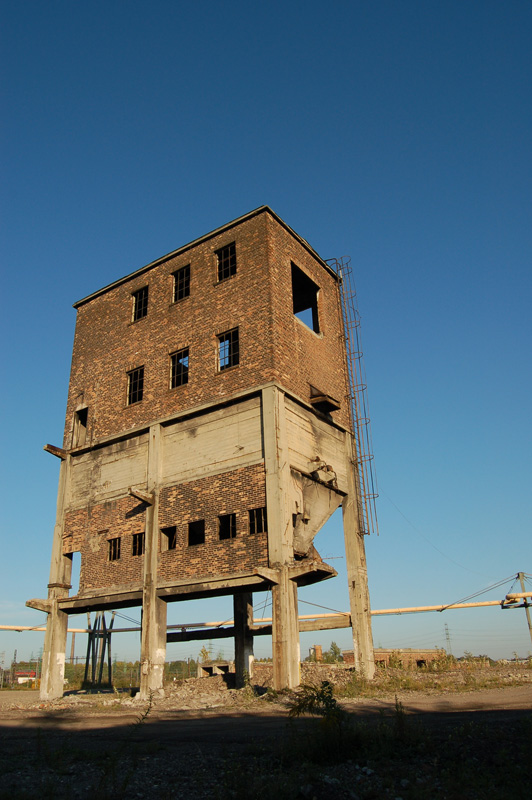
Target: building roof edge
column 199, row 240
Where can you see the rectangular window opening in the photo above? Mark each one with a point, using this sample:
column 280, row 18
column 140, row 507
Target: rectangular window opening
column 80, row 427
column 305, row 299
column 169, row 538
column 257, row 520
column 139, row 540
column 75, row 574
column 114, row 549
column 182, row 283
column 227, row 526
column 140, row 303
column 196, row 532
column 226, row 257
column 228, row 349
column 135, row 385
column 179, row 368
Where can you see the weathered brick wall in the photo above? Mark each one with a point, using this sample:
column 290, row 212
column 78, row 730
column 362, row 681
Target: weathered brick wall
column 274, row 345
column 232, row 492
column 89, row 530
column 301, row 356
column 107, row 344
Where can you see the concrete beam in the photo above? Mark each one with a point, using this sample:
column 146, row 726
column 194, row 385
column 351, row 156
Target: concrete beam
column 55, row 451
column 39, row 605
column 142, row 495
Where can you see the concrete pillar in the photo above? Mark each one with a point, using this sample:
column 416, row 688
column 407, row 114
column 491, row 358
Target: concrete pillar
column 285, row 633
column 357, row 575
column 153, row 634
column 153, row 644
column 243, row 616
column 53, row 659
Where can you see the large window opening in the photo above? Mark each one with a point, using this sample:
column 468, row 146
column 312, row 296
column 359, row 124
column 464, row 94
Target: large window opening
column 227, row 526
column 169, row 538
column 139, row 540
column 226, row 257
column 179, row 368
column 135, row 385
column 305, row 299
column 257, row 520
column 228, row 349
column 140, row 303
column 196, row 532
column 75, row 575
column 114, row 549
column 182, row 283
column 80, row 427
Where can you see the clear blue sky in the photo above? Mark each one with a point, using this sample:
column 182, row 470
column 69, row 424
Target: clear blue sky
column 397, row 133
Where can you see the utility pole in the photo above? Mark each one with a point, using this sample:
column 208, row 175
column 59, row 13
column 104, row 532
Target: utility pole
column 526, row 604
column 448, row 640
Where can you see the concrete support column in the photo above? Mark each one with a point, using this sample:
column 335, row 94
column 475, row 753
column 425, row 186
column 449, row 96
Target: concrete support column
column 53, row 660
column 153, row 634
column 53, row 657
column 285, row 634
column 357, row 575
column 243, row 616
column 153, row 643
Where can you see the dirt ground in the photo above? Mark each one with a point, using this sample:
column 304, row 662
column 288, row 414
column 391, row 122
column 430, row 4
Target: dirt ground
column 188, row 743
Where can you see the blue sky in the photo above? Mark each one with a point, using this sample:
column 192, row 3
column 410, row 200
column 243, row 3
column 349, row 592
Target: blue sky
column 396, row 133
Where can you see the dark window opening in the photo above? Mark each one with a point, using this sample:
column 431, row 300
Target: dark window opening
column 169, row 538
column 323, row 402
column 228, row 350
column 226, row 261
column 75, row 573
column 80, row 427
column 227, row 526
column 305, row 299
column 139, row 540
column 182, row 283
column 257, row 520
column 196, row 532
column 114, row 549
column 140, row 303
column 135, row 385
column 179, row 368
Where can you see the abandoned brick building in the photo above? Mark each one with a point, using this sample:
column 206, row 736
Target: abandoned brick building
column 208, row 438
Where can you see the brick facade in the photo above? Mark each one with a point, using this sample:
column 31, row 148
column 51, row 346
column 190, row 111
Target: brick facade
column 206, row 499
column 117, row 333
column 257, row 300
column 89, row 530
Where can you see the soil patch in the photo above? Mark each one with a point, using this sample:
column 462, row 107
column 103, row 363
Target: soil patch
column 204, row 739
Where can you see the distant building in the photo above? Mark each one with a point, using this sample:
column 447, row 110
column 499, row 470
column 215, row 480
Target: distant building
column 25, row 676
column 405, row 657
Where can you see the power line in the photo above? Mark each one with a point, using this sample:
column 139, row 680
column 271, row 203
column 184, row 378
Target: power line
column 452, row 560
column 480, row 592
